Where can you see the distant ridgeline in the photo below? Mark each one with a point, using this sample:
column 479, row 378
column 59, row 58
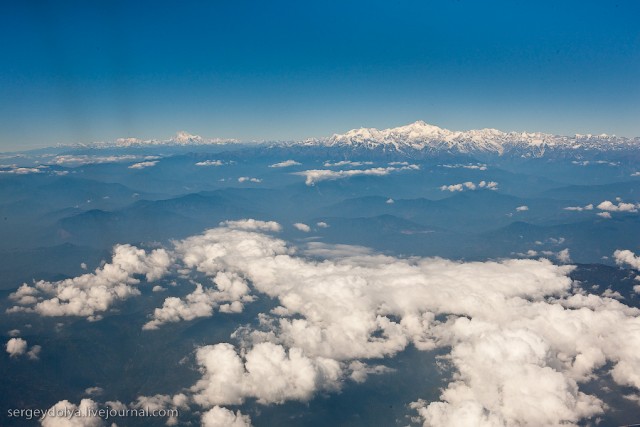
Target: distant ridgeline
column 415, row 138
column 422, row 138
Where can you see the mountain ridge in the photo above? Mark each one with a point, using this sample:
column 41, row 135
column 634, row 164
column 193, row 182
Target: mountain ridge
column 416, row 137
column 421, row 136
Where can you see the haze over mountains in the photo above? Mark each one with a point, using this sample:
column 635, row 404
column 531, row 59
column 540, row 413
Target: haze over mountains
column 461, row 182
column 304, row 283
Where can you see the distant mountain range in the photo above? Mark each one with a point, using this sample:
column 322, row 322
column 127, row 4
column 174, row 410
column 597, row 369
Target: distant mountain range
column 181, row 138
column 419, row 137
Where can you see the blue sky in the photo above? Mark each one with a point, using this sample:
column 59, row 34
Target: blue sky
column 77, row 71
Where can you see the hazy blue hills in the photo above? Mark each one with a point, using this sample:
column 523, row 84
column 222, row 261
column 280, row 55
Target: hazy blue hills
column 596, row 193
column 590, row 239
column 100, row 204
column 147, row 220
column 47, row 263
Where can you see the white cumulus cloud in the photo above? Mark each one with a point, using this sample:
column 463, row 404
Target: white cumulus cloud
column 491, row 185
column 627, row 257
column 84, row 415
column 249, row 179
column 15, row 170
column 268, row 372
column 210, row 163
column 230, row 294
column 143, row 165
column 93, row 293
column 302, row 227
column 16, row 347
column 316, row 175
column 285, row 164
column 588, row 207
column 478, row 166
column 355, row 163
column 162, row 402
column 564, row 256
column 222, row 417
column 34, row 352
column 609, row 206
column 252, row 224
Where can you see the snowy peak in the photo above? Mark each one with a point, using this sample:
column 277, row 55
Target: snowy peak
column 419, row 136
column 180, row 138
column 185, row 138
column 417, row 130
column 422, row 136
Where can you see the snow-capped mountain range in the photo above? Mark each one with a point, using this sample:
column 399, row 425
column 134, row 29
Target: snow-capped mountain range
column 180, row 138
column 420, row 136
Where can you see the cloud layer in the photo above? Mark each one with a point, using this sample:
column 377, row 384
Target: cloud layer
column 520, row 337
column 507, row 323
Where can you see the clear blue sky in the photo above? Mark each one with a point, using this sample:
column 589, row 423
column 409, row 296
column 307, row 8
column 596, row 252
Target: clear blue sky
column 81, row 71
